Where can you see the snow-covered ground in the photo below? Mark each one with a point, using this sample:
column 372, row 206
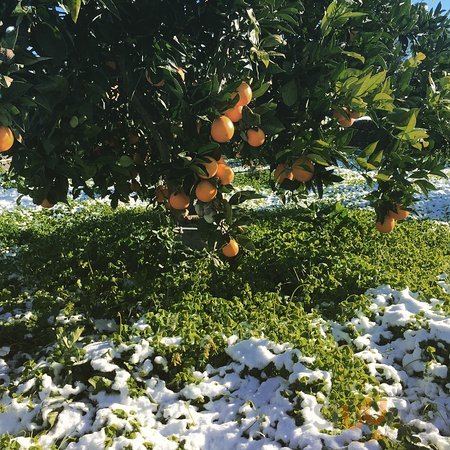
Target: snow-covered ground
column 350, row 192
column 247, row 404
column 252, row 402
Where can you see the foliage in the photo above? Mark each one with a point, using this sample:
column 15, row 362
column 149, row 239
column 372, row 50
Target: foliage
column 81, row 79
column 132, row 264
column 130, row 260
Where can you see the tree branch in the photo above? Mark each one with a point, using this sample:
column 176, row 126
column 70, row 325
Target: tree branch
column 163, row 149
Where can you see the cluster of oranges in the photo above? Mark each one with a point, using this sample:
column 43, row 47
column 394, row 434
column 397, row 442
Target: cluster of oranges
column 222, row 128
column 389, row 221
column 217, row 172
column 301, row 170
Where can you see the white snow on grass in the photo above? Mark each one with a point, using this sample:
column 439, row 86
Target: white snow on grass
column 254, row 401
column 350, row 193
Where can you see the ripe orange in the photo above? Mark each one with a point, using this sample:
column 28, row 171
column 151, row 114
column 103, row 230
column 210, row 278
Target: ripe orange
column 282, row 173
column 6, row 139
column 221, row 160
column 161, row 193
column 205, row 191
column 387, row 226
column 344, row 121
column 222, row 129
column 401, row 214
column 231, row 249
column 256, row 138
column 303, row 169
column 210, row 167
column 46, row 204
column 179, row 200
column 225, row 174
column 234, row 114
column 245, row 94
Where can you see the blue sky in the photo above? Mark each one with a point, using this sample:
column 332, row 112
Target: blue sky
column 445, row 3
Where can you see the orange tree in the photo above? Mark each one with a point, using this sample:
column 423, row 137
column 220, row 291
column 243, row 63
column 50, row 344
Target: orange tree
column 149, row 98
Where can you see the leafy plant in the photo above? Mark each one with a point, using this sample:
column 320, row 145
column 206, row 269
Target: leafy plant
column 113, row 98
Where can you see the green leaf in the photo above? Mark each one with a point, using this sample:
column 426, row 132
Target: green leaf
column 74, row 8
column 364, row 164
column 376, row 158
column 250, row 118
column 382, row 96
column 111, row 6
column 51, row 417
column 243, row 196
column 289, row 93
column 208, row 148
column 383, row 176
column 368, row 151
column 413, row 135
column 125, row 161
column 318, row 159
column 245, row 242
column 261, row 90
column 355, row 55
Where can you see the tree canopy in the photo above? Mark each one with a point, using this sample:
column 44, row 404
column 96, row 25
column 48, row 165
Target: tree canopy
column 117, row 97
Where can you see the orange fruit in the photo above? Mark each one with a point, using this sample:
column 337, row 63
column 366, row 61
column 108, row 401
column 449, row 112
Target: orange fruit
column 344, row 121
column 6, row 139
column 161, row 193
column 303, row 169
column 210, row 167
column 387, row 226
column 205, row 191
column 282, row 173
column 179, row 200
column 231, row 249
column 401, row 214
column 256, row 138
column 222, row 129
column 245, row 94
column 234, row 114
column 225, row 174
column 221, row 160
column 46, row 204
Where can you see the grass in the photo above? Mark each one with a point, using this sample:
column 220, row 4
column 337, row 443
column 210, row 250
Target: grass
column 132, row 258
column 127, row 263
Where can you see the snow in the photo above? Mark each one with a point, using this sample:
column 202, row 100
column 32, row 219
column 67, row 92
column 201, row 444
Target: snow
column 238, row 405
column 350, row 193
column 247, row 403
column 353, row 189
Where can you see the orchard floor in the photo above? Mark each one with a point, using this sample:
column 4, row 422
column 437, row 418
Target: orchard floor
column 329, row 335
